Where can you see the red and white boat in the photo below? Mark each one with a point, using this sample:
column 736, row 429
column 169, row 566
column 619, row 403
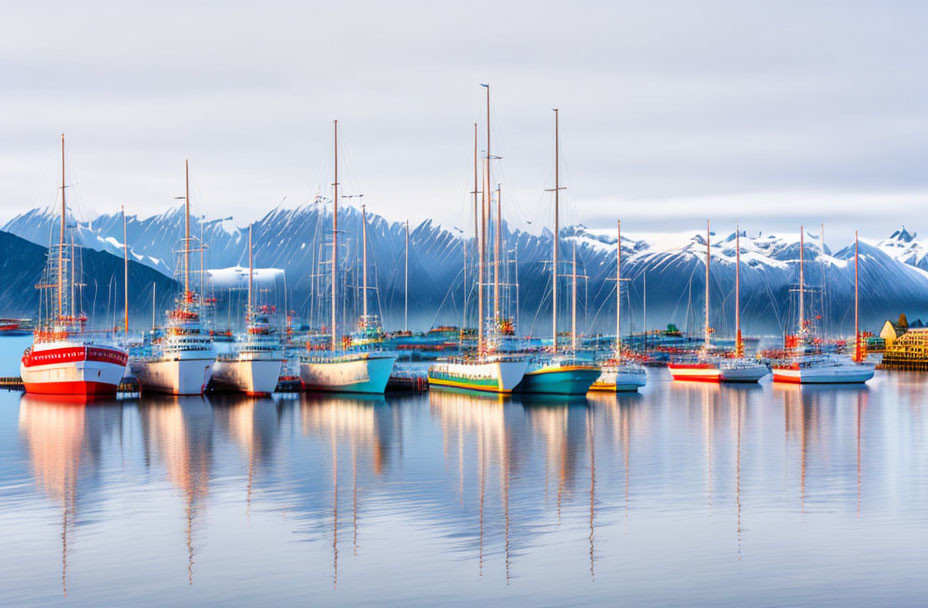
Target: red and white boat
column 65, row 359
column 713, row 368
column 816, row 368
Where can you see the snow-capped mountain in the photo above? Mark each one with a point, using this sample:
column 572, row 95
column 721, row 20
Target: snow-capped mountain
column 894, row 272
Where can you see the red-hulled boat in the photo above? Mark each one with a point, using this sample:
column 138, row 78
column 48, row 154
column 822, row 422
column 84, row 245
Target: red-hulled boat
column 65, row 359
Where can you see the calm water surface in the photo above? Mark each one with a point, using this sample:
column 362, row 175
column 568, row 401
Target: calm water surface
column 685, row 494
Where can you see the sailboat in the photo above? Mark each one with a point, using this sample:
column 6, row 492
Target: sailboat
column 806, row 367
column 710, row 367
column 560, row 374
column 618, row 374
column 64, row 358
column 490, row 370
column 253, row 365
column 181, row 361
column 353, row 371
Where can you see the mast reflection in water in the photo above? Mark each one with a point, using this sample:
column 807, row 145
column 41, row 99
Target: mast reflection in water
column 697, row 494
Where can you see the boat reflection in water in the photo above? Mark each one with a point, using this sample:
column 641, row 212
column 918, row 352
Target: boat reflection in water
column 491, row 441
column 811, row 414
column 178, row 432
column 252, row 423
column 303, row 493
column 368, row 429
column 65, row 439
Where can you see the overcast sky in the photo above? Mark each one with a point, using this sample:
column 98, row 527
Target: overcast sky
column 771, row 113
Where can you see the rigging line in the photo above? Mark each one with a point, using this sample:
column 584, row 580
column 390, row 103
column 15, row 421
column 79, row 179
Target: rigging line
column 544, row 297
column 444, row 299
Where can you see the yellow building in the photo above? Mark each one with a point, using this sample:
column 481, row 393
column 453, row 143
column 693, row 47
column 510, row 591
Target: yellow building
column 893, row 330
column 908, row 351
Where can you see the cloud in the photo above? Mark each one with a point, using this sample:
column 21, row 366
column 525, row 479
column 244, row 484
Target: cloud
column 792, row 112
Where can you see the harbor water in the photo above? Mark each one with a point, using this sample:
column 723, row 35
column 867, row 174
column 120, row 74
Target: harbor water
column 687, row 494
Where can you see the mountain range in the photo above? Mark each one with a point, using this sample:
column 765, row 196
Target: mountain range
column 666, row 271
column 21, row 265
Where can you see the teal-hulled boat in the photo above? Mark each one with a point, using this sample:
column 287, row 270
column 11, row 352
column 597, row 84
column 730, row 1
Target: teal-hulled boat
column 559, row 377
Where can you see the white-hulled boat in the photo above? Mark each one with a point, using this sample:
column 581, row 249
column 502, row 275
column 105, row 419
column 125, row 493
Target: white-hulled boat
column 335, row 370
column 707, row 367
column 494, row 374
column 813, row 368
column 181, row 361
column 64, row 359
column 822, row 369
column 253, row 364
column 618, row 374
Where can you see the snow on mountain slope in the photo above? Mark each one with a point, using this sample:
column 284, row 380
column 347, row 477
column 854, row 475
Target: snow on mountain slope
column 297, row 241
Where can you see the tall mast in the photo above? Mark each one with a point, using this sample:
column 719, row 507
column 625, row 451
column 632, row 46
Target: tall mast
column 251, row 266
column 618, row 291
column 573, row 306
column 186, row 231
column 73, row 270
column 857, row 349
column 557, row 228
column 364, row 261
column 154, row 287
column 706, row 329
column 335, row 240
column 202, row 272
column 406, row 281
column 64, row 213
column 821, row 237
column 496, row 255
column 483, row 234
column 515, row 253
column 739, row 344
column 644, row 306
column 125, row 281
column 802, row 286
column 476, row 227
column 487, row 192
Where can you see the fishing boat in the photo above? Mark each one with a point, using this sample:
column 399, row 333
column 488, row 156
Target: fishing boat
column 253, row 364
column 65, row 359
column 618, row 374
column 16, row 327
column 181, row 360
column 365, row 370
column 808, row 367
column 711, row 367
column 490, row 369
column 560, row 374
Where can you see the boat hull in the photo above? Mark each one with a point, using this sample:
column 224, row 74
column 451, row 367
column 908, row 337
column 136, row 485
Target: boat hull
column 695, row 372
column 255, row 377
column 174, row 377
column 368, row 374
column 744, row 374
column 73, row 370
column 620, row 381
column 840, row 374
column 491, row 376
column 567, row 380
